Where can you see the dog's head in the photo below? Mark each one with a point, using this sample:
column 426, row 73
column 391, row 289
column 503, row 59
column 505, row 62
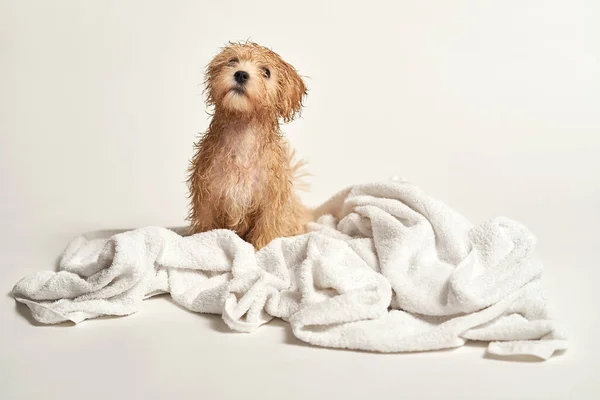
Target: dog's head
column 246, row 78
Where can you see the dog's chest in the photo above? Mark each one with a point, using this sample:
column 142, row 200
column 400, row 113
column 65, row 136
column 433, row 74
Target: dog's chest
column 239, row 170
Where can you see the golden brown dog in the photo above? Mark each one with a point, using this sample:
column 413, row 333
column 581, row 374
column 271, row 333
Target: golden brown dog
column 242, row 175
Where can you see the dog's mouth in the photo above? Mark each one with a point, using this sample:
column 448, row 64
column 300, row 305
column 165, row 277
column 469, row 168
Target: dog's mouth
column 238, row 90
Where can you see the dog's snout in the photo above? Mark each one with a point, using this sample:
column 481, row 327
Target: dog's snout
column 241, row 76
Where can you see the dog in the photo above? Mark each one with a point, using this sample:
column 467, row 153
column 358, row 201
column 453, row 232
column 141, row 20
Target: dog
column 243, row 176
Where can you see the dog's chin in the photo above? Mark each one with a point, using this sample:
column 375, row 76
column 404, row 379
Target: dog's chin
column 237, row 100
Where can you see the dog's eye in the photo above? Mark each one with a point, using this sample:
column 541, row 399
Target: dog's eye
column 233, row 61
column 266, row 72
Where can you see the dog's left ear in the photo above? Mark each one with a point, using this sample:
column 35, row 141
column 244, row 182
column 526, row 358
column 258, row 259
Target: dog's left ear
column 291, row 92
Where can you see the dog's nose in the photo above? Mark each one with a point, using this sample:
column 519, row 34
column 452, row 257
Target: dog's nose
column 241, row 76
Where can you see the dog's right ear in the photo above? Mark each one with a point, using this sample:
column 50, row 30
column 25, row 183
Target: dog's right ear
column 213, row 69
column 291, row 92
column 209, row 76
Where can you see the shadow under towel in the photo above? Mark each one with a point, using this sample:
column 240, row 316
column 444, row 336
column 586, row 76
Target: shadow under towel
column 384, row 268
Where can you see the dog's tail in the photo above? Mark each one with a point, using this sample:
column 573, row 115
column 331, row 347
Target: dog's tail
column 300, row 183
column 298, row 168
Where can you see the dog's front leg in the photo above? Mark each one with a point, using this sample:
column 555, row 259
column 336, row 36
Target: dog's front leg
column 265, row 227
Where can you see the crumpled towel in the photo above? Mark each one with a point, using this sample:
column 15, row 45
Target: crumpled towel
column 384, row 268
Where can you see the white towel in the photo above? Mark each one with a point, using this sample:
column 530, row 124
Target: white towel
column 385, row 268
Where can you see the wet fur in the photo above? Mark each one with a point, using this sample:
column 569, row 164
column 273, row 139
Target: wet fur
column 242, row 174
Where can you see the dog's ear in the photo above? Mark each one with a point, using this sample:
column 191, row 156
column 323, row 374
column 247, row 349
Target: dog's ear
column 209, row 77
column 291, row 92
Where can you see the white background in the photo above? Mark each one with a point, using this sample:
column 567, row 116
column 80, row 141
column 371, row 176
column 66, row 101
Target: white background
column 491, row 106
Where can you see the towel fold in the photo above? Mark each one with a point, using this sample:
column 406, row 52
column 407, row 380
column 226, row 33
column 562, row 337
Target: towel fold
column 384, row 268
